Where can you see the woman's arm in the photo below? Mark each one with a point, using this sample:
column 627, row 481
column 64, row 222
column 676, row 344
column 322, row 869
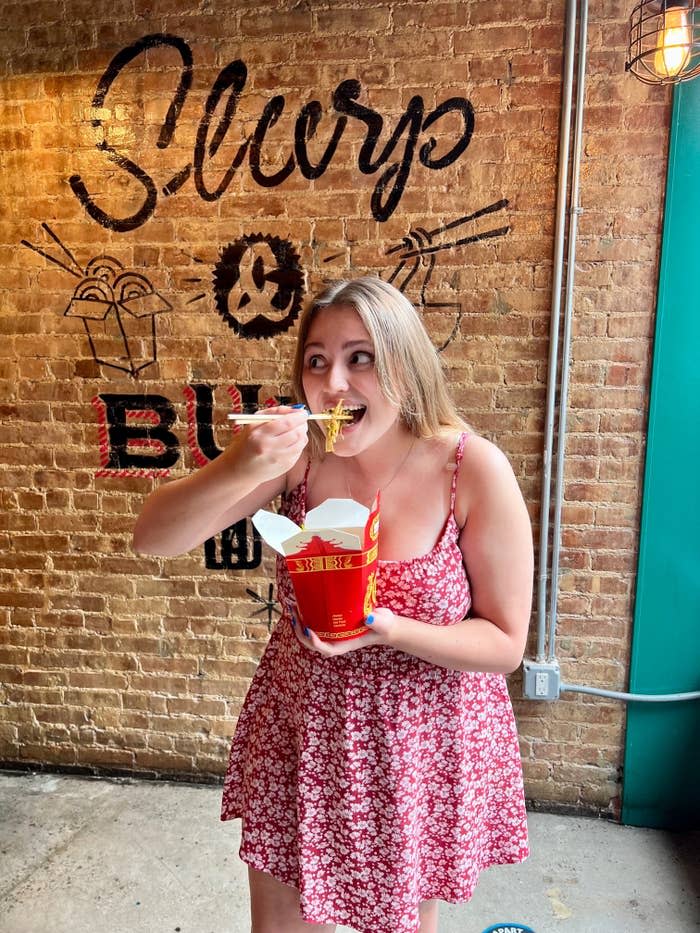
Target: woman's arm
column 246, row 476
column 496, row 544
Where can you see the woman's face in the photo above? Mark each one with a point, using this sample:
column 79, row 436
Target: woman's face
column 339, row 365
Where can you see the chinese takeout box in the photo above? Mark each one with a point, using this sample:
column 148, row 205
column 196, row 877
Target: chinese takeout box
column 332, row 562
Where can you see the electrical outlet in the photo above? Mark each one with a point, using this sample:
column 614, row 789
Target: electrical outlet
column 541, row 683
column 541, row 680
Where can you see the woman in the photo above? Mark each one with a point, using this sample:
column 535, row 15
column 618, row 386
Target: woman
column 378, row 775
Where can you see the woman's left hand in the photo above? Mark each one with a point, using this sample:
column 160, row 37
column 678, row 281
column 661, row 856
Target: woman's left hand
column 379, row 625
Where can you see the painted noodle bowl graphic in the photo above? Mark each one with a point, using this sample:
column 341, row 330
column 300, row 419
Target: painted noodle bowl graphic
column 116, row 305
column 118, row 311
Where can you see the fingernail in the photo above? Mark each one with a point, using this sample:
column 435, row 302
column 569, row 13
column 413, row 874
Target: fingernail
column 299, row 405
column 369, row 620
column 306, row 632
column 294, row 622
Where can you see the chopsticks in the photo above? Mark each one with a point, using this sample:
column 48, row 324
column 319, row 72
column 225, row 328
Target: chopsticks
column 257, row 417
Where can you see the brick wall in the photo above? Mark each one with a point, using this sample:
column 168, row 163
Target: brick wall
column 113, row 661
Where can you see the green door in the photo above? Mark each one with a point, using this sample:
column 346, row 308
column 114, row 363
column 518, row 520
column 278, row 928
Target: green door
column 661, row 786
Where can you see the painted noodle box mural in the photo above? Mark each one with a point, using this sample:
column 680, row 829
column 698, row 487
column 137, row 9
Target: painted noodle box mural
column 117, row 306
column 118, row 309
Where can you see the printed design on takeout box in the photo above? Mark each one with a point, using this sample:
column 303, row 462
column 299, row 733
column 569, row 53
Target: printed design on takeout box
column 332, row 563
column 370, row 593
column 335, row 561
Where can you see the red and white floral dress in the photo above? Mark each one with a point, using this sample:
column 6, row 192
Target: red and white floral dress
column 374, row 781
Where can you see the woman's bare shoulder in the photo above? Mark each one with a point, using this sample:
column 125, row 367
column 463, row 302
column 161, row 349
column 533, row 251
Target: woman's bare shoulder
column 483, row 456
column 485, row 471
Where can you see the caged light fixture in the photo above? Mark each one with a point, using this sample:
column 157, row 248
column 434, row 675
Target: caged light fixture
column 664, row 41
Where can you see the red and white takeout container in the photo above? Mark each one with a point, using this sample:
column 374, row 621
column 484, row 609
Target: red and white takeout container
column 332, row 562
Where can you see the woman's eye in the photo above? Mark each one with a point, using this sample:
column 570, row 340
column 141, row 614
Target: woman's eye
column 361, row 358
column 314, row 362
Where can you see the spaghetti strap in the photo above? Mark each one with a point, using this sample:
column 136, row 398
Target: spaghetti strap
column 300, row 488
column 306, row 472
column 304, row 485
column 458, row 459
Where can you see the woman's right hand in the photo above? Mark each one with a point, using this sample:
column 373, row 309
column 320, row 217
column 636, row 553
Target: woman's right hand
column 247, row 475
column 270, row 449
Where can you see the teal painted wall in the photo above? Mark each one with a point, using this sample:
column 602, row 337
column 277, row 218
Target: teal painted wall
column 661, row 779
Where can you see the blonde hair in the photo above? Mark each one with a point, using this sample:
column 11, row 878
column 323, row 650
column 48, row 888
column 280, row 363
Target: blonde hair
column 408, row 367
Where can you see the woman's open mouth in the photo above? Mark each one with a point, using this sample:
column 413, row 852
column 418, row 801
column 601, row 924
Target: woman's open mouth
column 356, row 412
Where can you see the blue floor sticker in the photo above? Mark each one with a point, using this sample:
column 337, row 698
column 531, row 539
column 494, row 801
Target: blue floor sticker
column 508, row 928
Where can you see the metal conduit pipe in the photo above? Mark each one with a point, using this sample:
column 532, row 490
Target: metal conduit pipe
column 574, row 212
column 631, row 697
column 557, row 271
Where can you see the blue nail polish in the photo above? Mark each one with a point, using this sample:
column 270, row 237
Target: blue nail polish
column 306, row 632
column 294, row 622
column 299, row 405
column 369, row 620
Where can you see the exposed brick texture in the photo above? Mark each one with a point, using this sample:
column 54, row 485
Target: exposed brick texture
column 122, row 663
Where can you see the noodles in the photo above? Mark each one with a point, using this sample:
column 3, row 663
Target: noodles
column 334, row 427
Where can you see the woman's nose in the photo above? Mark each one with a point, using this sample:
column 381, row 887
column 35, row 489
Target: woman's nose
column 337, row 378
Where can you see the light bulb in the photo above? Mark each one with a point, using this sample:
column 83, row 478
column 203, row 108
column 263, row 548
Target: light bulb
column 671, row 57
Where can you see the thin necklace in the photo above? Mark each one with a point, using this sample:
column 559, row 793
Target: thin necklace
column 395, row 474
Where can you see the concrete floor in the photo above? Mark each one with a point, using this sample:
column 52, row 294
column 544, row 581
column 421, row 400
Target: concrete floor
column 106, row 856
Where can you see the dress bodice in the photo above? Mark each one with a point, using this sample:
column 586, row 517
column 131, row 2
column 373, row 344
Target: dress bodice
column 431, row 587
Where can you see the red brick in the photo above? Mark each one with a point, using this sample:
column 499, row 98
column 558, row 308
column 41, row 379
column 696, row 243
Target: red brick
column 266, row 24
